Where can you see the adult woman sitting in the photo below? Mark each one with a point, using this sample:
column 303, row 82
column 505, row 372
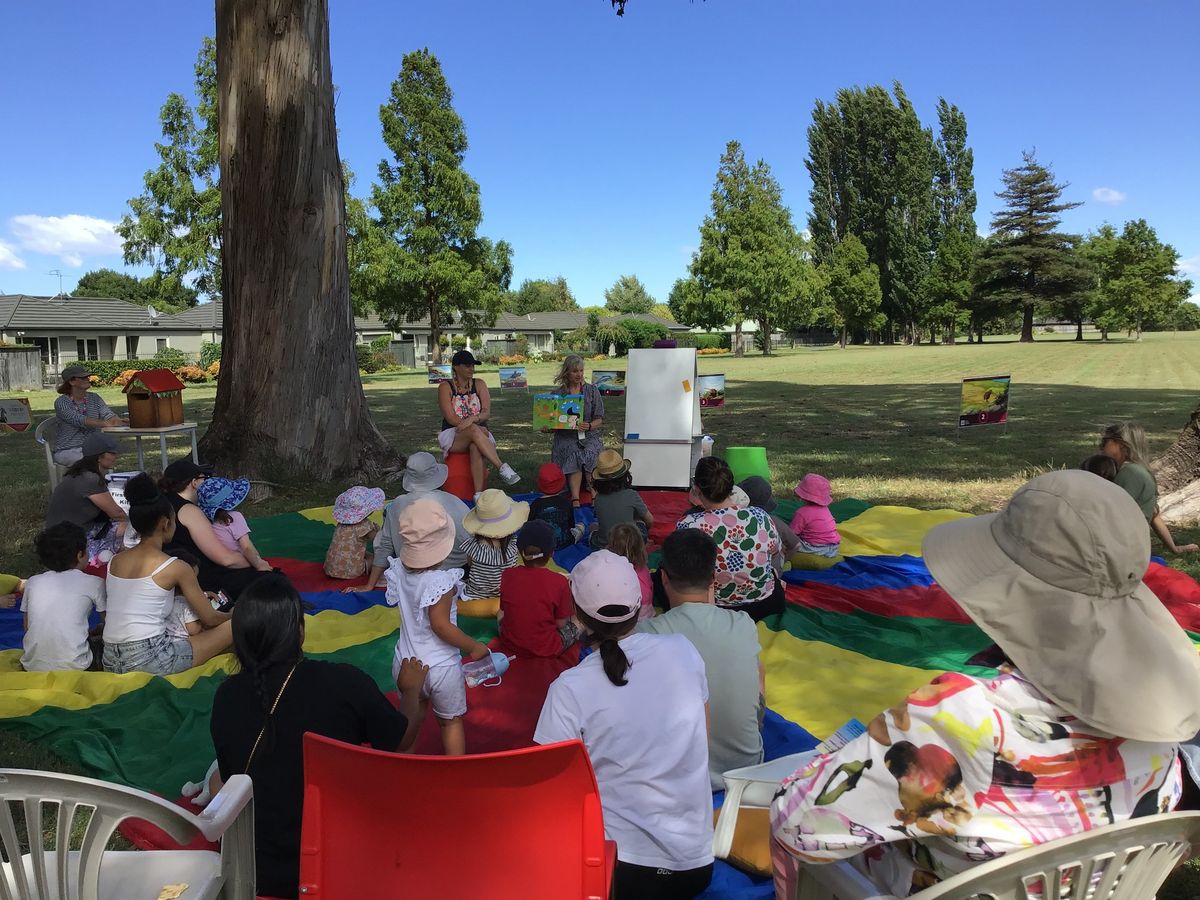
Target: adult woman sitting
column 1096, row 686
column 260, row 715
column 1125, row 444
column 141, row 584
column 747, row 542
column 466, row 404
column 79, row 413
column 82, row 496
column 221, row 569
column 575, row 451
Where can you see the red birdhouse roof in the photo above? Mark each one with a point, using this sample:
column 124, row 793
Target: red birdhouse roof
column 157, row 381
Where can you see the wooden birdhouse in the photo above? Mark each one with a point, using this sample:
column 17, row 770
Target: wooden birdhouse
column 155, row 399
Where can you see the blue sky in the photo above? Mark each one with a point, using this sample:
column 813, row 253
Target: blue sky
column 595, row 139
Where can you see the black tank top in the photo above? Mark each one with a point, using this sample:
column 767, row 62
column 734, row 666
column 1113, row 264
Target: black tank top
column 183, row 538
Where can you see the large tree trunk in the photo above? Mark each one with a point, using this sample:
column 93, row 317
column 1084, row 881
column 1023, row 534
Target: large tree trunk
column 289, row 400
column 1079, row 330
column 1180, row 465
column 1027, row 324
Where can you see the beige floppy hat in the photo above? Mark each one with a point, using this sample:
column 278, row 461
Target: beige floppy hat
column 1056, row 580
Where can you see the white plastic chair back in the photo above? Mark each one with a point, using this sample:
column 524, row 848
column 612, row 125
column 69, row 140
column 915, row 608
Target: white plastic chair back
column 44, row 434
column 1126, row 861
column 58, row 872
column 751, row 786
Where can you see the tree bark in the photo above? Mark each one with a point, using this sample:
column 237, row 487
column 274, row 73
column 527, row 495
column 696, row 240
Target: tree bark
column 289, row 400
column 739, row 348
column 1179, row 466
column 1027, row 324
column 1079, row 330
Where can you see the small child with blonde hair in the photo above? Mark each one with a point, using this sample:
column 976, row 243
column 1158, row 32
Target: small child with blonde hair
column 626, row 540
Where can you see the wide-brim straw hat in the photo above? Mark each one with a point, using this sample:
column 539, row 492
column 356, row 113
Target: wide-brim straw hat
column 815, row 488
column 496, row 515
column 1056, row 581
column 609, row 465
column 424, row 473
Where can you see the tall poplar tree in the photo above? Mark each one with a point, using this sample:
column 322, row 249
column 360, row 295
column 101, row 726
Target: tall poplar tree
column 423, row 257
column 1030, row 262
column 852, row 289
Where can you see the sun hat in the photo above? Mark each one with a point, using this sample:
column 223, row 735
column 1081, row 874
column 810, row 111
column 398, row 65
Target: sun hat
column 424, row 473
column 185, row 470
column 758, row 489
column 604, row 579
column 609, row 465
column 1055, row 579
column 550, row 478
column 426, row 533
column 537, row 535
column 355, row 504
column 73, row 372
column 738, row 498
column 98, row 442
column 221, row 493
column 496, row 515
column 464, row 358
column 815, row 489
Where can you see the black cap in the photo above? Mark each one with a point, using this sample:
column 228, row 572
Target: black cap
column 185, row 470
column 464, row 358
column 538, row 535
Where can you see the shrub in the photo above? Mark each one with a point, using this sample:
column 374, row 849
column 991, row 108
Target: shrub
column 124, row 378
column 522, row 347
column 712, row 351
column 209, row 354
column 191, row 374
column 458, row 342
column 95, row 379
column 382, row 343
column 634, row 333
column 366, row 358
column 213, row 369
column 600, row 356
column 515, row 360
column 168, row 358
column 105, row 369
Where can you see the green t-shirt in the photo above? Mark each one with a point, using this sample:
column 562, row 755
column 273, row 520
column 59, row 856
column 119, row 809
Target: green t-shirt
column 1139, row 484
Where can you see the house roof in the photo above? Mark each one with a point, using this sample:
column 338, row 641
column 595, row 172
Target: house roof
column 22, row 311
column 157, row 381
column 201, row 316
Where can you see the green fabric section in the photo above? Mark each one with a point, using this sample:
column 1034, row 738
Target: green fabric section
column 291, row 535
column 841, row 509
column 906, row 641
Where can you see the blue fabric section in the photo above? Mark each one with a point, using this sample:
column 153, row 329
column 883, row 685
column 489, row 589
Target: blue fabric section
column 867, row 572
column 568, row 557
column 347, row 603
column 12, row 628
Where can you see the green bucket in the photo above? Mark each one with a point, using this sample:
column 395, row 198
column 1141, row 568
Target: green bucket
column 747, row 461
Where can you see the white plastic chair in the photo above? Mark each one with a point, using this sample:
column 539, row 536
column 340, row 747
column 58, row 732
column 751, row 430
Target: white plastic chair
column 751, row 786
column 1126, row 861
column 44, row 434
column 93, row 873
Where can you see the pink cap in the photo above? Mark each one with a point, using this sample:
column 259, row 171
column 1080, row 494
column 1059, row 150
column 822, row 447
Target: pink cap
column 604, row 579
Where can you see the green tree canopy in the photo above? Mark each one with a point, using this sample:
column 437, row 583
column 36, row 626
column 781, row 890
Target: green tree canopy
column 542, row 295
column 175, row 223
column 1134, row 279
column 852, row 288
column 422, row 256
column 164, row 293
column 628, row 295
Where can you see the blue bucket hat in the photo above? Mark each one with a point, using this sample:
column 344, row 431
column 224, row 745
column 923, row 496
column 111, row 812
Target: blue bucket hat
column 221, row 493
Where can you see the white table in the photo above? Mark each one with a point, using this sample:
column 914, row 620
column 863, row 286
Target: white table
column 187, row 428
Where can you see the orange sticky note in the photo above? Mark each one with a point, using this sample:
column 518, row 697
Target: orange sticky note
column 687, row 386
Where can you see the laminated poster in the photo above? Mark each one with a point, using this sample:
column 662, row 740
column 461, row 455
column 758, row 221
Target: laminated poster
column 513, row 378
column 712, row 390
column 438, row 374
column 984, row 401
column 560, row 412
column 609, row 382
column 15, row 414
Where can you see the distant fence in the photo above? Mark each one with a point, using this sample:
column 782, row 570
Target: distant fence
column 20, row 369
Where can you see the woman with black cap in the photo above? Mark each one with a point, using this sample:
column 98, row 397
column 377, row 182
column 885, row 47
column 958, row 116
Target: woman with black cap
column 78, row 413
column 466, row 404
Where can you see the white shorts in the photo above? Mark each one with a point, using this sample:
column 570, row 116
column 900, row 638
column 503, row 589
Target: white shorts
column 446, row 439
column 446, row 690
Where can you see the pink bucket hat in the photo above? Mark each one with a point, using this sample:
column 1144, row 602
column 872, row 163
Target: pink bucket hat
column 604, row 579
column 355, row 504
column 426, row 532
column 814, row 488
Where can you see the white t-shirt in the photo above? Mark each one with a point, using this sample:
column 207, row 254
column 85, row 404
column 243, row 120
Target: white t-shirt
column 180, row 616
column 648, row 746
column 414, row 593
column 57, row 605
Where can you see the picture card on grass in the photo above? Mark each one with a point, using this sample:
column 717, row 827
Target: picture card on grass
column 15, row 414
column 559, row 412
column 513, row 378
column 984, row 401
column 438, row 374
column 610, row 382
column 712, row 389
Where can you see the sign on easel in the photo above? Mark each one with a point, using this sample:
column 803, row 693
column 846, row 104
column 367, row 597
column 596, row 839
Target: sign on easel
column 712, row 390
column 438, row 374
column 609, row 382
column 984, row 401
column 513, row 378
column 15, row 414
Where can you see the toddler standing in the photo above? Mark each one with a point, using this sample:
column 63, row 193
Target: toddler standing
column 492, row 547
column 627, row 541
column 535, row 603
column 218, row 498
column 58, row 603
column 616, row 501
column 348, row 556
column 427, row 598
column 813, row 524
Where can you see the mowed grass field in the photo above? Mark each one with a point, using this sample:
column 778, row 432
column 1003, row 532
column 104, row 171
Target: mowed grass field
column 880, row 422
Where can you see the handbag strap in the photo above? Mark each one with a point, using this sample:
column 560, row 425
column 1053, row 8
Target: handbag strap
column 267, row 720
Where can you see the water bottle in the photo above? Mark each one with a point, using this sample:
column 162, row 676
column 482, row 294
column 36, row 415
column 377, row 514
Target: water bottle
column 706, row 445
column 481, row 672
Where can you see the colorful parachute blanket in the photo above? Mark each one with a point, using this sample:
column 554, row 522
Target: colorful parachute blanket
column 854, row 639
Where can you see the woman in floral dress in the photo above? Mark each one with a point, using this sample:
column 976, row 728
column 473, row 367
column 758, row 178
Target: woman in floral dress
column 575, row 451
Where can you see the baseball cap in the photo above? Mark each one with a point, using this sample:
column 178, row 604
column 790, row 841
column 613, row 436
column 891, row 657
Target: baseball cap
column 604, row 580
column 185, row 470
column 536, row 535
column 464, row 358
column 98, row 442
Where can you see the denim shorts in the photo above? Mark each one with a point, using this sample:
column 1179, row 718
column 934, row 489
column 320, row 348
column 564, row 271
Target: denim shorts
column 161, row 655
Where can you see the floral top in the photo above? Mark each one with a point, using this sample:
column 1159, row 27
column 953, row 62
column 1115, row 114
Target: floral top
column 974, row 768
column 347, row 556
column 464, row 405
column 746, row 542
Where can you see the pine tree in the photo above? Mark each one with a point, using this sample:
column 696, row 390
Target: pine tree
column 1030, row 262
column 853, row 292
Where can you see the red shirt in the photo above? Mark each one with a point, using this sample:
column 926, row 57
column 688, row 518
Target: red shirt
column 532, row 599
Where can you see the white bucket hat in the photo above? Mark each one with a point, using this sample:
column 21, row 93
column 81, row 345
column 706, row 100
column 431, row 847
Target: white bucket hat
column 424, row 473
column 1056, row 580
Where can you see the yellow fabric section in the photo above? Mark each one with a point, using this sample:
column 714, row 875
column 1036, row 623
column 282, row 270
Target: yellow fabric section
column 821, row 687
column 325, row 514
column 891, row 530
column 483, row 608
column 814, row 562
column 8, row 583
column 23, row 693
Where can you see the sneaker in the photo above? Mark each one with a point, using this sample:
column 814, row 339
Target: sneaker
column 476, row 498
column 577, row 532
column 509, row 476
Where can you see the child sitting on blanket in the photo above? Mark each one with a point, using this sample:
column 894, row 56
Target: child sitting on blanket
column 555, row 506
column 348, row 556
column 182, row 621
column 536, row 611
column 813, row 524
column 1102, row 465
column 616, row 501
column 492, row 546
column 58, row 603
column 427, row 597
column 627, row 541
column 218, row 498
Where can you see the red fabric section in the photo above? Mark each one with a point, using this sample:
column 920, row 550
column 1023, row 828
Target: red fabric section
column 917, row 601
column 1179, row 593
column 145, row 836
column 310, row 577
column 667, row 507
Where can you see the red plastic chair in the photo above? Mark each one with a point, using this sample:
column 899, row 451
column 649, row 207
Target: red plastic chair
column 519, row 824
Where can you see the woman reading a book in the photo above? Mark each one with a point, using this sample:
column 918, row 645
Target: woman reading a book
column 466, row 404
column 575, row 450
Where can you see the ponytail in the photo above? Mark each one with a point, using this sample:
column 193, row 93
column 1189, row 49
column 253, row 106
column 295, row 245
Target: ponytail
column 616, row 663
column 147, row 505
column 605, row 636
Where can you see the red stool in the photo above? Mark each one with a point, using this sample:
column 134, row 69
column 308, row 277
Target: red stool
column 459, row 481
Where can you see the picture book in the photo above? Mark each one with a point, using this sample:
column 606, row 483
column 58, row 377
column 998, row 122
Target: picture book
column 557, row 411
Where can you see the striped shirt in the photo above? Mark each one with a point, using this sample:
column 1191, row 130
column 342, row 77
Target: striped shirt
column 70, row 416
column 487, row 561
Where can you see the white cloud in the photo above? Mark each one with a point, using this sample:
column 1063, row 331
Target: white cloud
column 1189, row 265
column 9, row 258
column 1108, row 195
column 70, row 237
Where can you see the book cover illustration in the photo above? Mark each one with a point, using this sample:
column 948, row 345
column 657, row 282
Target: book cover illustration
column 557, row 411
